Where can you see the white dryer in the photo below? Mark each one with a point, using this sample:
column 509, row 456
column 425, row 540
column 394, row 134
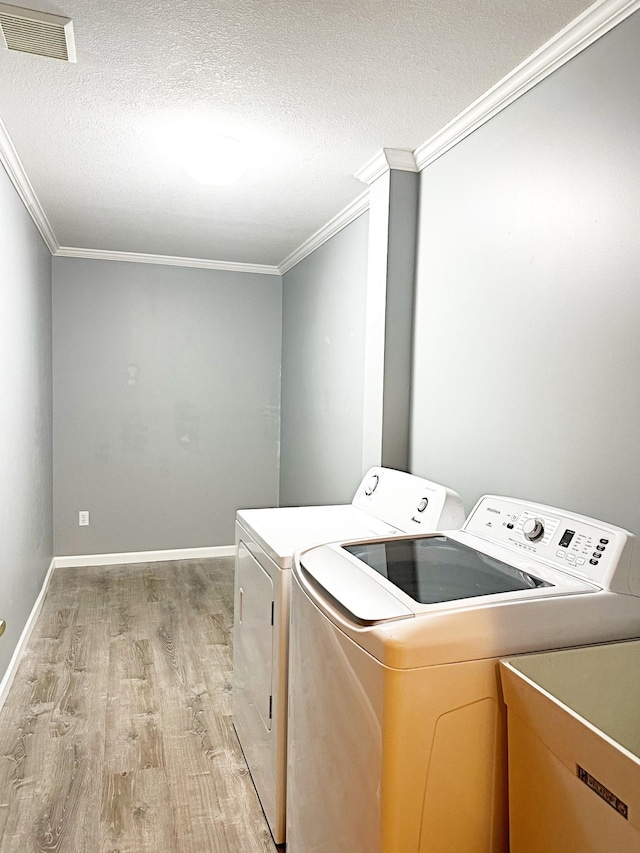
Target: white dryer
column 397, row 734
column 387, row 503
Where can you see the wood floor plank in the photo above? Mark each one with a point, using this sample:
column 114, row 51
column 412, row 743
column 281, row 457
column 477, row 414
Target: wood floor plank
column 133, row 708
column 136, row 813
column 117, row 733
column 64, row 752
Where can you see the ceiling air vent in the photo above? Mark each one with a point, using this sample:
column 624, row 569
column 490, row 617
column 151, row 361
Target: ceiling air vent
column 37, row 32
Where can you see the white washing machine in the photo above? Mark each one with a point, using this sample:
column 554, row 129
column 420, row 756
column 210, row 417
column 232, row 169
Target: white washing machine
column 387, row 503
column 397, row 728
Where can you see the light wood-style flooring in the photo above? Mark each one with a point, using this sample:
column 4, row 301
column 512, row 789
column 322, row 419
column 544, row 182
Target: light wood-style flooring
column 117, row 734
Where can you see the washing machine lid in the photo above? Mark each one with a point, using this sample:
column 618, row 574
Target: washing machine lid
column 374, row 581
column 439, row 569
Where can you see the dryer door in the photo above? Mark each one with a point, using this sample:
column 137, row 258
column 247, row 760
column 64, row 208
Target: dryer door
column 253, row 641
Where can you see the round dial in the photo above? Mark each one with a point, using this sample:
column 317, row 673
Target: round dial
column 533, row 529
column 372, row 484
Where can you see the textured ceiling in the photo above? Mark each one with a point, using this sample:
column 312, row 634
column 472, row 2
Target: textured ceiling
column 315, row 87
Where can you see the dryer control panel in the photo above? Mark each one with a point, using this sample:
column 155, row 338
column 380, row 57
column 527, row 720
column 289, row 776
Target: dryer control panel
column 581, row 546
column 408, row 502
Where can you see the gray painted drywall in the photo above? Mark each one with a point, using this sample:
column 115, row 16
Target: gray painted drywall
column 322, row 371
column 166, row 403
column 527, row 353
column 26, row 544
column 403, row 211
column 393, row 209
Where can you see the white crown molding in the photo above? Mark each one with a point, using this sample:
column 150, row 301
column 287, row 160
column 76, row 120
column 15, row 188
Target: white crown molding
column 587, row 28
column 18, row 177
column 167, row 260
column 388, row 158
column 593, row 23
column 352, row 211
column 385, row 160
column 130, row 557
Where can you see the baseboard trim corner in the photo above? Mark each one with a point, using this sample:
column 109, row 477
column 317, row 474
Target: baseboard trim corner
column 96, row 560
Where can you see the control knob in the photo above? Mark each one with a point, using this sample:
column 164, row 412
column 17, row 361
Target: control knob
column 533, row 529
column 372, row 485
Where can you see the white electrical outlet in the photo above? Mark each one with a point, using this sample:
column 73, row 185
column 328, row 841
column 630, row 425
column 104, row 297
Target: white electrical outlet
column 83, row 518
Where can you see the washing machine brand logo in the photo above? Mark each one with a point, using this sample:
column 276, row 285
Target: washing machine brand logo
column 599, row 789
column 493, row 509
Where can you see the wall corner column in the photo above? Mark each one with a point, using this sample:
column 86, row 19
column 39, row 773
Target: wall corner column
column 392, row 177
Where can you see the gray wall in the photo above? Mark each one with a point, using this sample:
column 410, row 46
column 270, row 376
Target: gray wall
column 527, row 353
column 323, row 369
column 26, row 546
column 166, row 406
column 393, row 211
column 403, row 207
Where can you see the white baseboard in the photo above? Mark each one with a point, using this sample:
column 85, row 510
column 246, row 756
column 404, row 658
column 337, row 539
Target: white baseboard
column 7, row 681
column 143, row 557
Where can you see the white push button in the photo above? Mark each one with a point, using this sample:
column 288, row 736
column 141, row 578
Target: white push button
column 424, row 503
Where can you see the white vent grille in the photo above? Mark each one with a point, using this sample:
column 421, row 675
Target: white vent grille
column 37, row 32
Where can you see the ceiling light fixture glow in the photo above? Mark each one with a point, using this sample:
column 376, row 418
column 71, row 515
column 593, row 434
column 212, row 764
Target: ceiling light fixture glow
column 212, row 158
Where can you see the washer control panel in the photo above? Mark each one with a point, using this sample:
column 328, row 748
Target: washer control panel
column 584, row 547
